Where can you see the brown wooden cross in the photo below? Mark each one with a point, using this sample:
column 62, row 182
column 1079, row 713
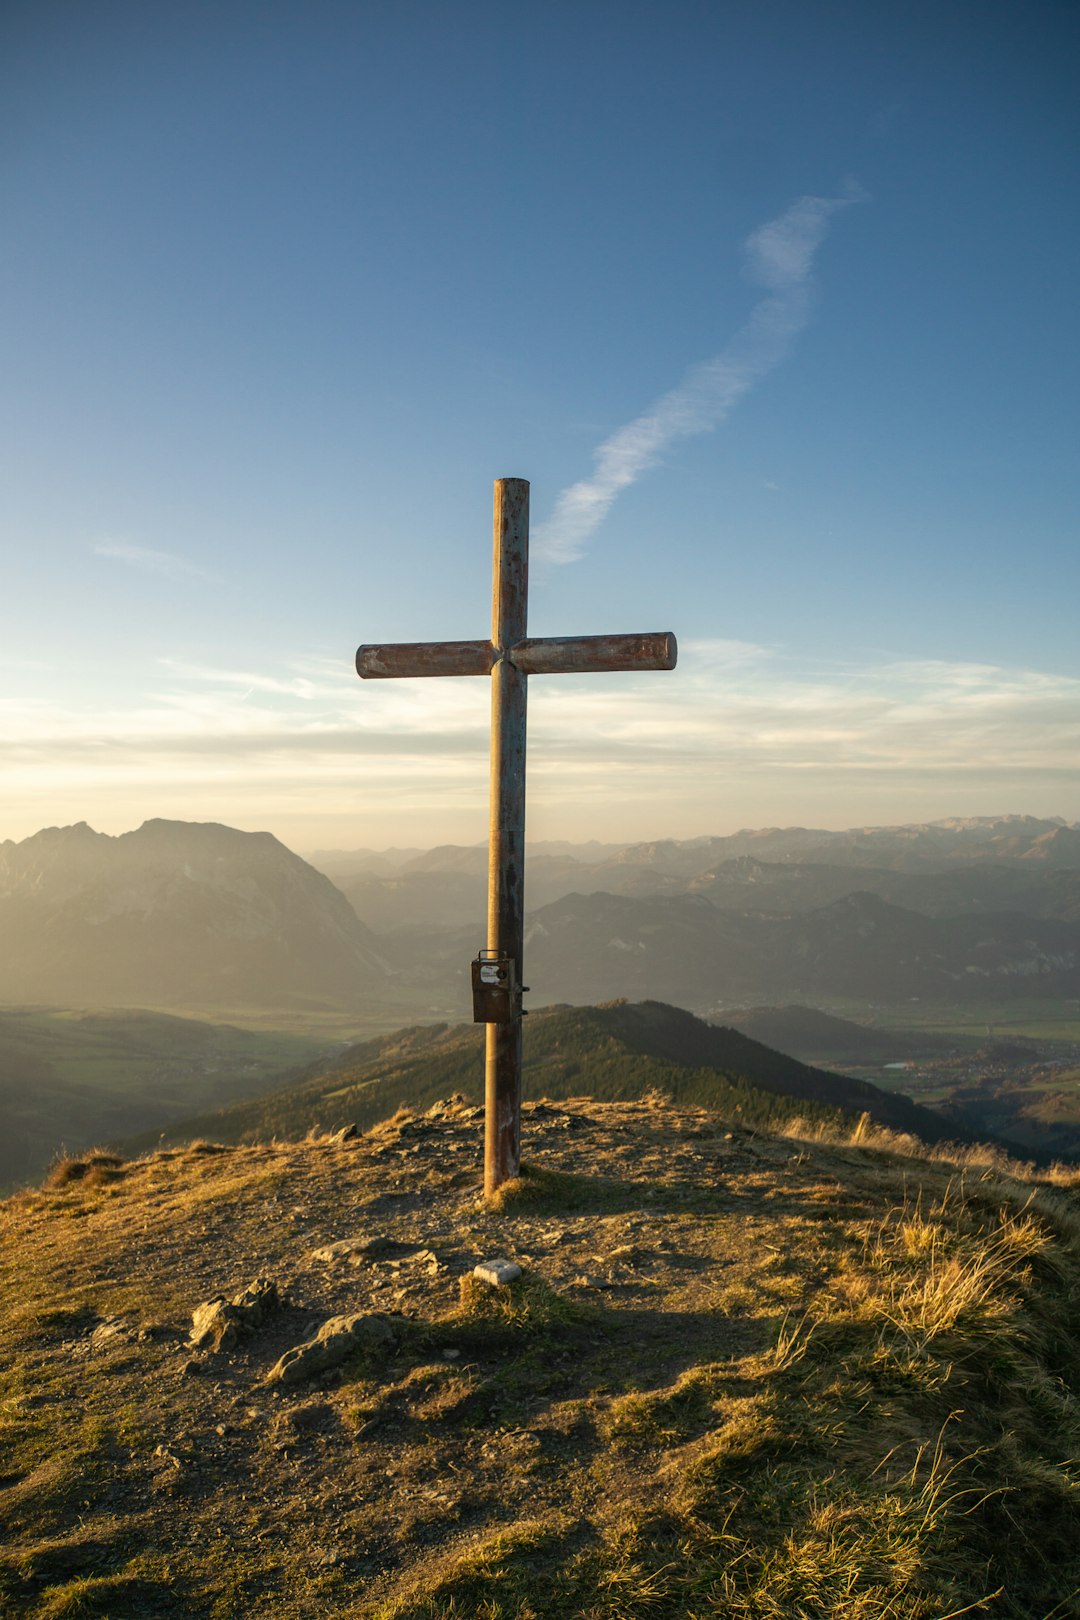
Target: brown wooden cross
column 510, row 657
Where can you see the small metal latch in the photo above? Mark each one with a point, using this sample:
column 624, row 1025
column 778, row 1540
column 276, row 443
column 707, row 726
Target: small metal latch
column 494, row 989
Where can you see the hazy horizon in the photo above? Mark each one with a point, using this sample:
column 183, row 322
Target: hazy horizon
column 307, row 852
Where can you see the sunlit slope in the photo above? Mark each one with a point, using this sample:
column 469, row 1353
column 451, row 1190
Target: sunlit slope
column 608, row 1052
column 743, row 1376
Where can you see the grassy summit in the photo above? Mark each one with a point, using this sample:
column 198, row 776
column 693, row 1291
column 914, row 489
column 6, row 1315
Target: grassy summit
column 742, row 1375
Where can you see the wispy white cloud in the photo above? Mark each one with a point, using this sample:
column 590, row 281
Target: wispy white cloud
column 299, row 686
column 779, row 257
column 745, row 737
column 162, row 563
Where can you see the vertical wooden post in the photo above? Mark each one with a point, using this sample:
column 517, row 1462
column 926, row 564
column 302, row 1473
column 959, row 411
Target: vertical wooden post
column 509, row 658
column 506, row 835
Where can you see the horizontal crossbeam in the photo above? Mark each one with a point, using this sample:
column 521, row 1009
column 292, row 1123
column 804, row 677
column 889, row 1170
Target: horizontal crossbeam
column 539, row 655
column 587, row 655
column 425, row 658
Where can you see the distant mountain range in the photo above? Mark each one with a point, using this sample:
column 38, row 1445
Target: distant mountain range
column 968, row 909
column 176, row 914
column 1012, row 863
column 190, row 916
column 685, row 949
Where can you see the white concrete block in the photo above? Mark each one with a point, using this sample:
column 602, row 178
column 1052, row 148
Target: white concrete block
column 497, row 1272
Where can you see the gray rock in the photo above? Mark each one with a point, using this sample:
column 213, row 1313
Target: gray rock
column 426, row 1260
column 113, row 1331
column 353, row 1249
column 218, row 1323
column 335, row 1341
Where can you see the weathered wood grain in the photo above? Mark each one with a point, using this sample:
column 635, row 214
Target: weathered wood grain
column 385, row 661
column 586, row 655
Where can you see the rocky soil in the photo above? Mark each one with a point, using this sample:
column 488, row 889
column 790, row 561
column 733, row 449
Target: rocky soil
column 265, row 1380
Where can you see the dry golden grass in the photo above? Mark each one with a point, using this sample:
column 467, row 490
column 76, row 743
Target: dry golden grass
column 93, row 1169
column 743, row 1377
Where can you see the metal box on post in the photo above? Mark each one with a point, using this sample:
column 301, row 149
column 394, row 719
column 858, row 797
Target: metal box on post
column 494, row 989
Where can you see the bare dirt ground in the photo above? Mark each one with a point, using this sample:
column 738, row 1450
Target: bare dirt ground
column 740, row 1375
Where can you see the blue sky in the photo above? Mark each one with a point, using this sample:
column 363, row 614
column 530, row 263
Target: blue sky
column 774, row 304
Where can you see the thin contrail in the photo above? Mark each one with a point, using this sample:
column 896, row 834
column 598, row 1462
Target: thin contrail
column 780, row 257
column 165, row 563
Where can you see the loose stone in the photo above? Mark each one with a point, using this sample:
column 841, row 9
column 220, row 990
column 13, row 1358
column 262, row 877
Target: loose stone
column 218, row 1323
column 353, row 1249
column 497, row 1272
column 335, row 1341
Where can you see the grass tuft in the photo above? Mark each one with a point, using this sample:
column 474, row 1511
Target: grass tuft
column 106, row 1596
column 538, row 1190
column 91, row 1169
column 527, row 1305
